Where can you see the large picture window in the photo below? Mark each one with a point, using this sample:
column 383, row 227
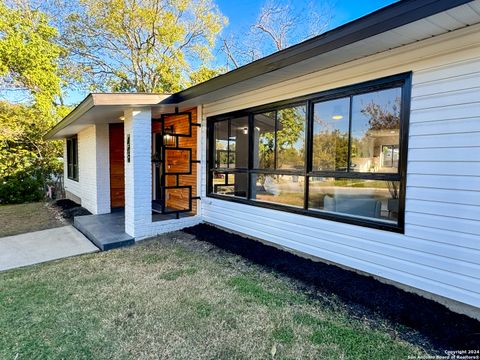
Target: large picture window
column 339, row 155
column 72, row 158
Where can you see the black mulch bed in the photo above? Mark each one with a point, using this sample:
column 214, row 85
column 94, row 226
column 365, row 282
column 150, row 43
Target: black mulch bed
column 70, row 209
column 443, row 328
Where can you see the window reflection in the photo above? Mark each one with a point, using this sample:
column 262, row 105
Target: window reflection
column 230, row 184
column 376, row 131
column 221, row 144
column 374, row 199
column 330, row 135
column 354, row 164
column 279, row 189
column 279, row 139
column 264, row 140
column 238, row 143
column 291, row 137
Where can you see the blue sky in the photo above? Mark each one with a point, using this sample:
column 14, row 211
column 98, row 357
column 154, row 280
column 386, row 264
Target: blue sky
column 242, row 13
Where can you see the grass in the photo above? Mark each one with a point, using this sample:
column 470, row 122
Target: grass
column 23, row 218
column 178, row 298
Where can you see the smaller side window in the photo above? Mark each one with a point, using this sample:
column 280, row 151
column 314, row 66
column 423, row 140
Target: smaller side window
column 72, row 158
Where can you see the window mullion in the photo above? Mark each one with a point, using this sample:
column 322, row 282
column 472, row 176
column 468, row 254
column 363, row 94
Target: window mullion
column 308, row 152
column 251, row 138
column 229, row 132
column 275, row 145
column 349, row 150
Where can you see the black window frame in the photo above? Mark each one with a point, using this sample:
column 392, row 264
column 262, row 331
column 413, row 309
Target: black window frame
column 72, row 158
column 403, row 81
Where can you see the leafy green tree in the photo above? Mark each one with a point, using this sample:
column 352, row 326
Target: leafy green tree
column 29, row 56
column 26, row 159
column 290, row 134
column 29, row 64
column 330, row 150
column 143, row 45
column 203, row 74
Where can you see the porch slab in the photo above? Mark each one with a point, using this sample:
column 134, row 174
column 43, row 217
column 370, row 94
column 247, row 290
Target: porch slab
column 106, row 231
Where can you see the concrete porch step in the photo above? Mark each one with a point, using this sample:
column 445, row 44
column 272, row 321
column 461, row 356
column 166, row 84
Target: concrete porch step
column 106, row 231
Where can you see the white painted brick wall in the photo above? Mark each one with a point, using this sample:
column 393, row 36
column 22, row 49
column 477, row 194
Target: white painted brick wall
column 138, row 173
column 138, row 181
column 93, row 185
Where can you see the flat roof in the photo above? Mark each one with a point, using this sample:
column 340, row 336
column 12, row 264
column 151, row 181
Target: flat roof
column 101, row 108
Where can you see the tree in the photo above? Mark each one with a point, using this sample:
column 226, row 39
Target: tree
column 29, row 63
column 330, row 150
column 289, row 136
column 279, row 24
column 203, row 74
column 29, row 56
column 143, row 45
column 383, row 118
column 26, row 159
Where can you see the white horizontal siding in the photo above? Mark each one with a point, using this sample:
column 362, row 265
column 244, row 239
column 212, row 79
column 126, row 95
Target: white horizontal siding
column 448, row 182
column 433, row 221
column 457, row 154
column 443, row 195
column 440, row 250
column 362, row 259
column 444, row 168
column 462, row 111
column 455, row 126
column 458, row 139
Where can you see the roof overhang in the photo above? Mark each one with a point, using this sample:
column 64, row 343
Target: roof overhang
column 396, row 25
column 101, row 109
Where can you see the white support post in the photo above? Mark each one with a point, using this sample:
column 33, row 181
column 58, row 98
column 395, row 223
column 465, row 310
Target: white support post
column 138, row 174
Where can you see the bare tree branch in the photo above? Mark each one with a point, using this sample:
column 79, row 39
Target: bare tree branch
column 279, row 24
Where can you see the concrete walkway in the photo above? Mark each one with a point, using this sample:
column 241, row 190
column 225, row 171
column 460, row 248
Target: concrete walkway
column 40, row 246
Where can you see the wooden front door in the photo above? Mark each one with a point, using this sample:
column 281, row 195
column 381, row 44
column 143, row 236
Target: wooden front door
column 117, row 166
column 175, row 167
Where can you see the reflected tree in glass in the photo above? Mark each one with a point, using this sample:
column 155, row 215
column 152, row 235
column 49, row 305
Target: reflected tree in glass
column 375, row 126
column 265, row 126
column 291, row 137
column 330, row 135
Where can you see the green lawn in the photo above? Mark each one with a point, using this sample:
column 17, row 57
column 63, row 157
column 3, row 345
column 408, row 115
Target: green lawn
column 178, row 298
column 23, row 218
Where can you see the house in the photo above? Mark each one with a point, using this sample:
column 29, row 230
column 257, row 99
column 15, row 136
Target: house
column 359, row 147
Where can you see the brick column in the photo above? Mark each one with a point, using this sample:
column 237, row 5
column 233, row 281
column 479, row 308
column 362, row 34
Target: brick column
column 138, row 173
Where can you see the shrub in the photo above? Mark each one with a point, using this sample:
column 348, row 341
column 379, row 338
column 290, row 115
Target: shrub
column 23, row 186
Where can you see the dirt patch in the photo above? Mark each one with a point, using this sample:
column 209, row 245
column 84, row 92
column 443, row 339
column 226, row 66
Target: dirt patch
column 24, row 218
column 69, row 209
column 364, row 295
